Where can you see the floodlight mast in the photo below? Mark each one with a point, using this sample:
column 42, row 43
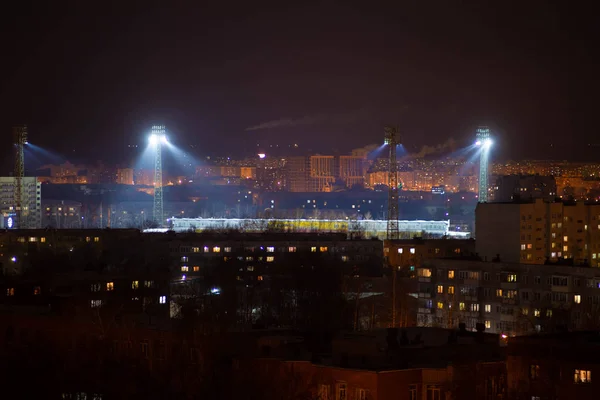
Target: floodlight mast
column 157, row 138
column 483, row 140
column 391, row 139
column 19, row 140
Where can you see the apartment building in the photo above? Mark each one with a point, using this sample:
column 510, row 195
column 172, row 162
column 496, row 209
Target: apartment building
column 413, row 252
column 31, row 216
column 505, row 298
column 539, row 232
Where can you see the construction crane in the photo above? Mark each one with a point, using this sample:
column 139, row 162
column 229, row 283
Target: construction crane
column 19, row 140
column 392, row 137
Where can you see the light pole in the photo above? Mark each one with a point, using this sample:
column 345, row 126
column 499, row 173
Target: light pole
column 158, row 137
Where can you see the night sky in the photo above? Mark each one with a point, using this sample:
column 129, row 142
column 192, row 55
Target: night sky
column 90, row 81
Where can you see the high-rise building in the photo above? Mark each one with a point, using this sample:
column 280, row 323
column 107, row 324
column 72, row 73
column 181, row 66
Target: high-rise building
column 298, row 173
column 31, row 217
column 125, row 176
column 523, row 187
column 351, row 170
column 322, row 173
column 537, row 232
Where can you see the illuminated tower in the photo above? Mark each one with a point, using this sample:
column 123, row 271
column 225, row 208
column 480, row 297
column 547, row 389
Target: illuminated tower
column 157, row 138
column 391, row 139
column 484, row 141
column 19, row 140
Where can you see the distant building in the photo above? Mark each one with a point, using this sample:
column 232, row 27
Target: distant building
column 536, row 232
column 31, row 192
column 125, row 176
column 523, row 187
column 351, row 170
column 297, row 174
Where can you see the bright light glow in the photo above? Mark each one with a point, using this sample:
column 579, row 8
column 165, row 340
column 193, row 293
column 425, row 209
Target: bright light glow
column 478, row 143
column 487, row 143
column 154, row 139
column 504, row 336
column 261, row 155
column 13, row 259
column 215, row 290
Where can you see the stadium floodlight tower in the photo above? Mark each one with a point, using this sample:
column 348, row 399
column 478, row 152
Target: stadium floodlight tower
column 19, row 140
column 391, row 139
column 158, row 137
column 484, row 141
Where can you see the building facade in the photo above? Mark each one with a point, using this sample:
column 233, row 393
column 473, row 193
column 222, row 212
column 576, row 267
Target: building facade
column 31, row 216
column 511, row 299
column 523, row 187
column 539, row 232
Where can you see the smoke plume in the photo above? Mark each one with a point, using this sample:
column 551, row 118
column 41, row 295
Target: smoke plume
column 448, row 146
column 343, row 118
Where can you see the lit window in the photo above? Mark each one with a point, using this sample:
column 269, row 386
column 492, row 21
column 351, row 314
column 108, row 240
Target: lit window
column 461, row 306
column 184, row 259
column 216, row 249
column 565, row 238
column 149, row 284
column 110, row 286
column 196, row 268
column 95, row 287
column 424, row 272
column 440, row 305
column 195, row 249
column 33, row 239
column 361, row 394
column 583, row 376
column 450, row 289
column 259, row 278
column 440, row 289
column 135, row 284
column 270, row 249
column 400, row 250
column 185, row 268
column 87, row 238
column 313, row 249
column 529, row 246
column 488, row 308
column 451, row 274
column 270, row 259
column 523, row 247
column 43, row 239
column 553, row 254
column 292, row 249
column 475, row 307
column 511, row 278
column 488, row 324
column 534, row 372
column 577, row 298
column 249, row 258
column 206, row 249
column 323, row 249
column 96, row 239
column 565, row 248
column 498, row 292
column 162, row 299
column 548, row 313
column 525, row 311
column 345, row 258
column 227, row 249
column 530, row 256
column 412, row 250
column 536, row 313
column 10, row 291
column 96, row 303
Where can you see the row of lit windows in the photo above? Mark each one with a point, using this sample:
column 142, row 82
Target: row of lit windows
column 11, row 291
column 99, row 303
column 33, row 239
column 110, row 286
